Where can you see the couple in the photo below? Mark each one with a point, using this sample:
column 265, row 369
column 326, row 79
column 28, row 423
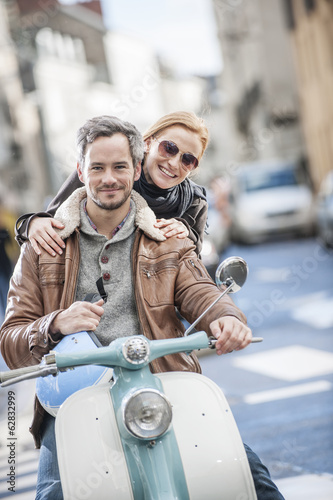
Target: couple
column 110, row 233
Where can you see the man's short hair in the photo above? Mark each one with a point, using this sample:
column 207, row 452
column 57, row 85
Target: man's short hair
column 107, row 126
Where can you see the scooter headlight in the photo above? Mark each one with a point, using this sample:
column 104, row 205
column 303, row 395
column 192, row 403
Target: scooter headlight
column 147, row 414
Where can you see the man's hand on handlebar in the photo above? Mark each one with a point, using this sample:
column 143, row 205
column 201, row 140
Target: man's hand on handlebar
column 80, row 316
column 231, row 333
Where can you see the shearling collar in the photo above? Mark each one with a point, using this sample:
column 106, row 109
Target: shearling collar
column 69, row 214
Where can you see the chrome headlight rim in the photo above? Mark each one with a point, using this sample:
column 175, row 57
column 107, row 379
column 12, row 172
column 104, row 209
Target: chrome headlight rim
column 131, row 424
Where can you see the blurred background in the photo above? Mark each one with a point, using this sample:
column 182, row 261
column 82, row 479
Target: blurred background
column 260, row 72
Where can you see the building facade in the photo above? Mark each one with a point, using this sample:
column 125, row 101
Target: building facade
column 310, row 24
column 258, row 83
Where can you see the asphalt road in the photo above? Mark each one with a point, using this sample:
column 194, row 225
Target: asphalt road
column 280, row 391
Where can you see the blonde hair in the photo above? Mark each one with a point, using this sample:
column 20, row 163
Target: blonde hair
column 184, row 119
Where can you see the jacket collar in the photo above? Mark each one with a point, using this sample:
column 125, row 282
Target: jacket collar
column 69, row 214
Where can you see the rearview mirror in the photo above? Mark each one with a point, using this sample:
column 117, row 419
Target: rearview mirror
column 232, row 271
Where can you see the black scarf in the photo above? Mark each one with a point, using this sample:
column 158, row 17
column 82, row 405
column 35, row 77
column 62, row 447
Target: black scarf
column 171, row 202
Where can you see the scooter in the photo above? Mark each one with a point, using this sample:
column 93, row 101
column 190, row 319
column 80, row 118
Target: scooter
column 131, row 434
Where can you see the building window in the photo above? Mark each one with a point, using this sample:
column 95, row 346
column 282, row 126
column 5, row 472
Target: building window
column 289, row 14
column 64, row 47
column 309, row 5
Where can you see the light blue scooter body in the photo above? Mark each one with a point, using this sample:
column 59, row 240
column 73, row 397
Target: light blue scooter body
column 52, row 390
column 200, row 456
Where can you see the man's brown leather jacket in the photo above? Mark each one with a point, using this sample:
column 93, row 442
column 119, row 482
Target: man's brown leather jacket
column 167, row 274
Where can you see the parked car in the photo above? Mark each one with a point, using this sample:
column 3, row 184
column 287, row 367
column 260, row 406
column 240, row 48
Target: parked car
column 269, row 199
column 324, row 210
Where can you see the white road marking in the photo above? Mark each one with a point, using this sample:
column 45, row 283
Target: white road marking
column 288, row 392
column 307, row 487
column 271, row 274
column 288, row 363
column 305, row 300
column 317, row 314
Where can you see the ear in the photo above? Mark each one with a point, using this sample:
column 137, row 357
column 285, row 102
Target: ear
column 137, row 171
column 147, row 144
column 79, row 172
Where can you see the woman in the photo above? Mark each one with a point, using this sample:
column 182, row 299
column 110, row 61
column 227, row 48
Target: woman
column 174, row 146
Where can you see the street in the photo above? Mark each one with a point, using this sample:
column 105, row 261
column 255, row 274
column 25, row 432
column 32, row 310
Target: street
column 280, row 391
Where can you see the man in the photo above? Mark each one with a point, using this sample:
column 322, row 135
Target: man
column 111, row 240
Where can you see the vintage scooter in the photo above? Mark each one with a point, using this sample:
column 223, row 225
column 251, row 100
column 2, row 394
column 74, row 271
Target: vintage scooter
column 140, row 435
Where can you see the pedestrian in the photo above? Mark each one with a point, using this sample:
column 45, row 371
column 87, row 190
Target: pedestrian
column 5, row 270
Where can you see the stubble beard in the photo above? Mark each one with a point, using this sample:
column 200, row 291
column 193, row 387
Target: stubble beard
column 110, row 205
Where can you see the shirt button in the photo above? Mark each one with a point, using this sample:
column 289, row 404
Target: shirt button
column 105, row 259
column 107, row 247
column 106, row 276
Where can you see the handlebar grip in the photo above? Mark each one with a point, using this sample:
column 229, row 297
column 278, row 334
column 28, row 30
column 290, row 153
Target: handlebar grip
column 213, row 340
column 4, row 376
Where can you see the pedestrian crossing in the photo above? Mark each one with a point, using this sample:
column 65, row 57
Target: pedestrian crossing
column 288, row 392
column 290, row 363
column 26, row 463
column 25, row 455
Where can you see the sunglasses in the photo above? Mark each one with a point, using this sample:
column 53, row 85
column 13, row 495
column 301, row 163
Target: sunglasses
column 168, row 149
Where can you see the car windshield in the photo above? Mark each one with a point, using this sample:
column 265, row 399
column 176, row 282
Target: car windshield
column 270, row 179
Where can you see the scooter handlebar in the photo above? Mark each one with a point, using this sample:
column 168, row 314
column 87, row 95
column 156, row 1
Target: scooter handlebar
column 107, row 356
column 26, row 373
column 213, row 340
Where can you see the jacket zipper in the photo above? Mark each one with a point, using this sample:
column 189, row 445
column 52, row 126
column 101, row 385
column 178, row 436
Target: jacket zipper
column 144, row 325
column 196, row 267
column 70, row 294
column 147, row 273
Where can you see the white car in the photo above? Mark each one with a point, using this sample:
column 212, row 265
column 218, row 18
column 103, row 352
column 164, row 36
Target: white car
column 269, row 199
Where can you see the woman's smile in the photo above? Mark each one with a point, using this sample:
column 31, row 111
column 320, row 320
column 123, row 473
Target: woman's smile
column 166, row 172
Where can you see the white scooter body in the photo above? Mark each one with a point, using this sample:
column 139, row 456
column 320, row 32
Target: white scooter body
column 91, row 458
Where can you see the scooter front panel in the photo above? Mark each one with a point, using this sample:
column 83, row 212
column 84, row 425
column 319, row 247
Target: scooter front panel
column 90, row 455
column 212, row 452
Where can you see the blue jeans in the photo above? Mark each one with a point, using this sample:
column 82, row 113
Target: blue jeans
column 48, row 479
column 265, row 488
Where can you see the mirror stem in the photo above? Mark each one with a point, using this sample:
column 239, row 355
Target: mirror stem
column 191, row 327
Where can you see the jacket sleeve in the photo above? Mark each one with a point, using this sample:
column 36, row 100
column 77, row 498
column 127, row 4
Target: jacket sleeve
column 194, row 286
column 195, row 219
column 69, row 186
column 24, row 336
column 22, row 224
